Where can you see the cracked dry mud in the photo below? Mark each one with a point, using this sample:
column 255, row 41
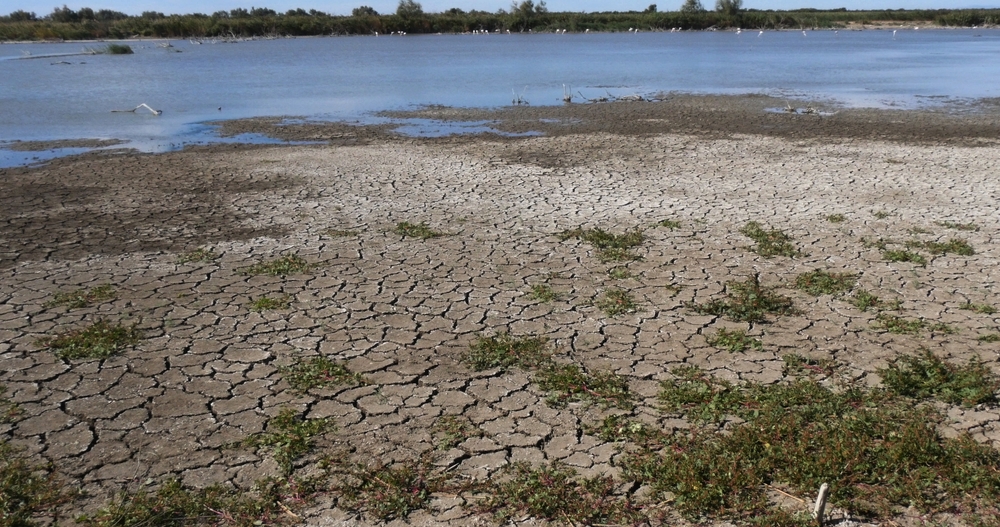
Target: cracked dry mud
column 402, row 311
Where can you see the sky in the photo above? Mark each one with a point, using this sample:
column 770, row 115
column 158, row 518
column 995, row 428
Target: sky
column 344, row 7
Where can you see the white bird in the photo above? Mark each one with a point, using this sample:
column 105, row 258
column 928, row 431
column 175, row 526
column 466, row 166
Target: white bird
column 894, row 34
column 803, row 32
column 738, row 31
column 760, row 34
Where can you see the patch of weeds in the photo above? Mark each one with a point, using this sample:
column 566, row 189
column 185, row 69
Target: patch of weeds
column 927, row 376
column 506, row 351
column 865, row 300
column 989, row 337
column 836, row 218
column 266, row 303
column 908, row 326
column 200, row 254
column 568, row 383
column 610, row 247
column 881, row 214
column 619, row 273
column 919, row 230
column 27, row 491
column 670, row 224
column 900, row 255
column 747, row 301
column 879, row 452
column 9, row 411
column 267, row 503
column 288, row 436
column 769, row 242
column 83, row 297
column 318, row 372
column 958, row 226
column 389, row 492
column 982, row 309
column 554, row 492
column 542, row 293
column 820, row 282
column 337, row 233
column 952, row 246
column 452, row 430
column 99, row 340
column 283, row 266
column 617, row 428
column 617, row 302
column 416, row 230
column 881, row 244
column 735, row 341
column 799, row 365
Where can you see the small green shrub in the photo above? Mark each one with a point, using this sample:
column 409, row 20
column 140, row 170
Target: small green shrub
column 99, row 340
column 836, row 218
column 416, row 230
column 266, row 303
column 989, row 337
column 881, row 214
column 735, row 341
column 958, row 226
column 982, row 309
column 338, row 233
column 927, row 376
column 288, row 437
column 610, row 247
column 670, row 224
column 200, row 254
column 118, row 49
column 568, row 383
column 900, row 255
column 769, row 242
column 318, row 372
column 543, row 293
column 908, row 326
column 881, row 244
column 83, row 297
column 865, row 300
column 617, row 302
column 449, row 431
column 283, row 266
column 952, row 246
column 389, row 492
column 799, row 365
column 27, row 491
column 747, row 301
column 820, row 282
column 505, row 351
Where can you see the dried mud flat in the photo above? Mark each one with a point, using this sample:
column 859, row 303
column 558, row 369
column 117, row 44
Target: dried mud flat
column 402, row 311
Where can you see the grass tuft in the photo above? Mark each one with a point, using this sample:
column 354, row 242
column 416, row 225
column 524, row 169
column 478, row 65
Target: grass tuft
column 27, row 491
column 450, row 431
column 989, row 337
column 543, row 293
column 288, row 437
column 9, row 411
column 318, row 372
column 99, row 340
column 908, row 326
column 568, row 383
column 670, row 224
column 769, row 242
column 617, row 302
column 900, row 255
column 390, row 492
column 881, row 214
column 83, row 297
column 610, row 247
column 505, row 351
column 982, row 309
column 416, row 230
column 200, row 254
column 747, row 301
column 820, row 282
column 865, row 300
column 338, row 233
column 283, row 266
column 958, row 226
column 952, row 246
column 799, row 365
column 735, row 341
column 266, row 303
column 836, row 218
column 927, row 376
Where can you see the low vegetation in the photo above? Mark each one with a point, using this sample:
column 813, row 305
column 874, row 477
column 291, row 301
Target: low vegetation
column 733, row 340
column 9, row 411
column 449, row 431
column 820, row 282
column 28, row 492
column 288, row 437
column 952, row 246
column 387, row 492
column 926, row 376
column 567, row 383
column 200, row 254
column 770, row 242
column 900, row 255
column 267, row 303
column 836, row 218
column 117, row 49
column 610, row 247
column 982, row 309
column 99, row 340
column 958, row 226
column 80, row 298
column 506, row 351
column 670, row 224
column 865, row 300
column 619, row 273
column 282, row 266
column 908, row 326
column 543, row 293
column 416, row 230
column 339, row 233
column 318, row 372
column 747, row 301
column 616, row 302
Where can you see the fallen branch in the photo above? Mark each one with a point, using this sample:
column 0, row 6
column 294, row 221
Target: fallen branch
column 143, row 105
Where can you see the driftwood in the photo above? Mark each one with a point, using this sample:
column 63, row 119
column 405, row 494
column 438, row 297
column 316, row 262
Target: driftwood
column 819, row 510
column 143, row 105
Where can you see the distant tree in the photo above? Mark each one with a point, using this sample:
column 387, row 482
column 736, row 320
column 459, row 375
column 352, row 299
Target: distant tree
column 409, row 8
column 109, row 15
column 22, row 16
column 239, row 12
column 86, row 13
column 313, row 12
column 364, row 11
column 728, row 7
column 692, row 6
column 262, row 12
column 650, row 9
column 64, row 14
column 152, row 15
column 220, row 14
column 527, row 8
column 297, row 12
column 455, row 11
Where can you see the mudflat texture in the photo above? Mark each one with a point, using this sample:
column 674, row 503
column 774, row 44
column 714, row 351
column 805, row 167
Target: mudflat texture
column 401, row 311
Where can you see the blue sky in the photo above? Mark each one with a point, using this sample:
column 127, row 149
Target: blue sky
column 343, row 7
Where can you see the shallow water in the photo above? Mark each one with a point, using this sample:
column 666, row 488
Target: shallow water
column 349, row 78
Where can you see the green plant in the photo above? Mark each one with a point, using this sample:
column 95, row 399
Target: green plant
column 610, row 247
column 865, row 300
column 416, row 230
column 820, row 282
column 952, row 246
column 27, row 490
column 505, row 351
column 200, row 254
column 900, row 255
column 989, row 337
column 452, row 430
column 543, row 293
column 83, row 297
column 919, row 230
column 288, row 436
column 618, row 428
column 266, row 303
column 881, row 243
column 118, row 49
column 905, row 326
column 337, row 233
column 619, row 273
column 568, row 383
column 769, row 242
column 8, row 410
column 927, row 376
column 982, row 309
column 836, row 218
column 747, row 301
column 735, row 341
column 318, row 372
column 617, row 302
column 389, row 492
column 99, row 340
column 555, row 493
column 958, row 226
column 881, row 214
column 670, row 224
column 269, row 502
column 282, row 266
column 798, row 365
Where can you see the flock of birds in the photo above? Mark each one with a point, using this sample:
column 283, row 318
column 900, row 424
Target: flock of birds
column 635, row 30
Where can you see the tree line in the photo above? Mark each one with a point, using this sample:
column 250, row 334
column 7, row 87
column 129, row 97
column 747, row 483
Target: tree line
column 525, row 16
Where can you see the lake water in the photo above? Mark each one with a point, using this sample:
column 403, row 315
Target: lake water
column 349, row 78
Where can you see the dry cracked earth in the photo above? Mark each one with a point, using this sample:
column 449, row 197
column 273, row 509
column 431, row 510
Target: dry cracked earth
column 402, row 311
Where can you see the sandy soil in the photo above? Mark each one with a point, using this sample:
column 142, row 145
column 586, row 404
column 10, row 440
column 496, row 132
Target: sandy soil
column 402, row 311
